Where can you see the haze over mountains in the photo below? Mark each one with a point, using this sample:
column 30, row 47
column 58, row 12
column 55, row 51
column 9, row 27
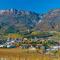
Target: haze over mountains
column 13, row 21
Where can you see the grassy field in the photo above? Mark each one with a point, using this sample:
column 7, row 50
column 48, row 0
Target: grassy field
column 24, row 54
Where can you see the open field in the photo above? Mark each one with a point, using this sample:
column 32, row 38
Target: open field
column 23, row 54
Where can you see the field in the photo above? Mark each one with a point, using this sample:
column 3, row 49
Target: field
column 24, row 54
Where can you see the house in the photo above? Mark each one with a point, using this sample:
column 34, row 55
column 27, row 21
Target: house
column 53, row 48
column 38, row 46
column 24, row 46
column 1, row 46
column 32, row 49
column 11, row 46
column 18, row 40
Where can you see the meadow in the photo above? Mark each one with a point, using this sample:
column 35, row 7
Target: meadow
column 25, row 54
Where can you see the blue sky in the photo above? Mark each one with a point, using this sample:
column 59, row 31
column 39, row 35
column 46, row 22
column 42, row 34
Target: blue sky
column 39, row 6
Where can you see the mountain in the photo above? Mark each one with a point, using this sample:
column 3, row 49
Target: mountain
column 49, row 21
column 12, row 21
column 20, row 21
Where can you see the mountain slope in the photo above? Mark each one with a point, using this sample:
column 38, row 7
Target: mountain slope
column 12, row 21
column 50, row 21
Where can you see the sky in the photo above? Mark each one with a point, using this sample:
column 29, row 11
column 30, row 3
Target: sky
column 38, row 6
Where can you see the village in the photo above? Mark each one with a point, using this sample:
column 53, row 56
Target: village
column 44, row 44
